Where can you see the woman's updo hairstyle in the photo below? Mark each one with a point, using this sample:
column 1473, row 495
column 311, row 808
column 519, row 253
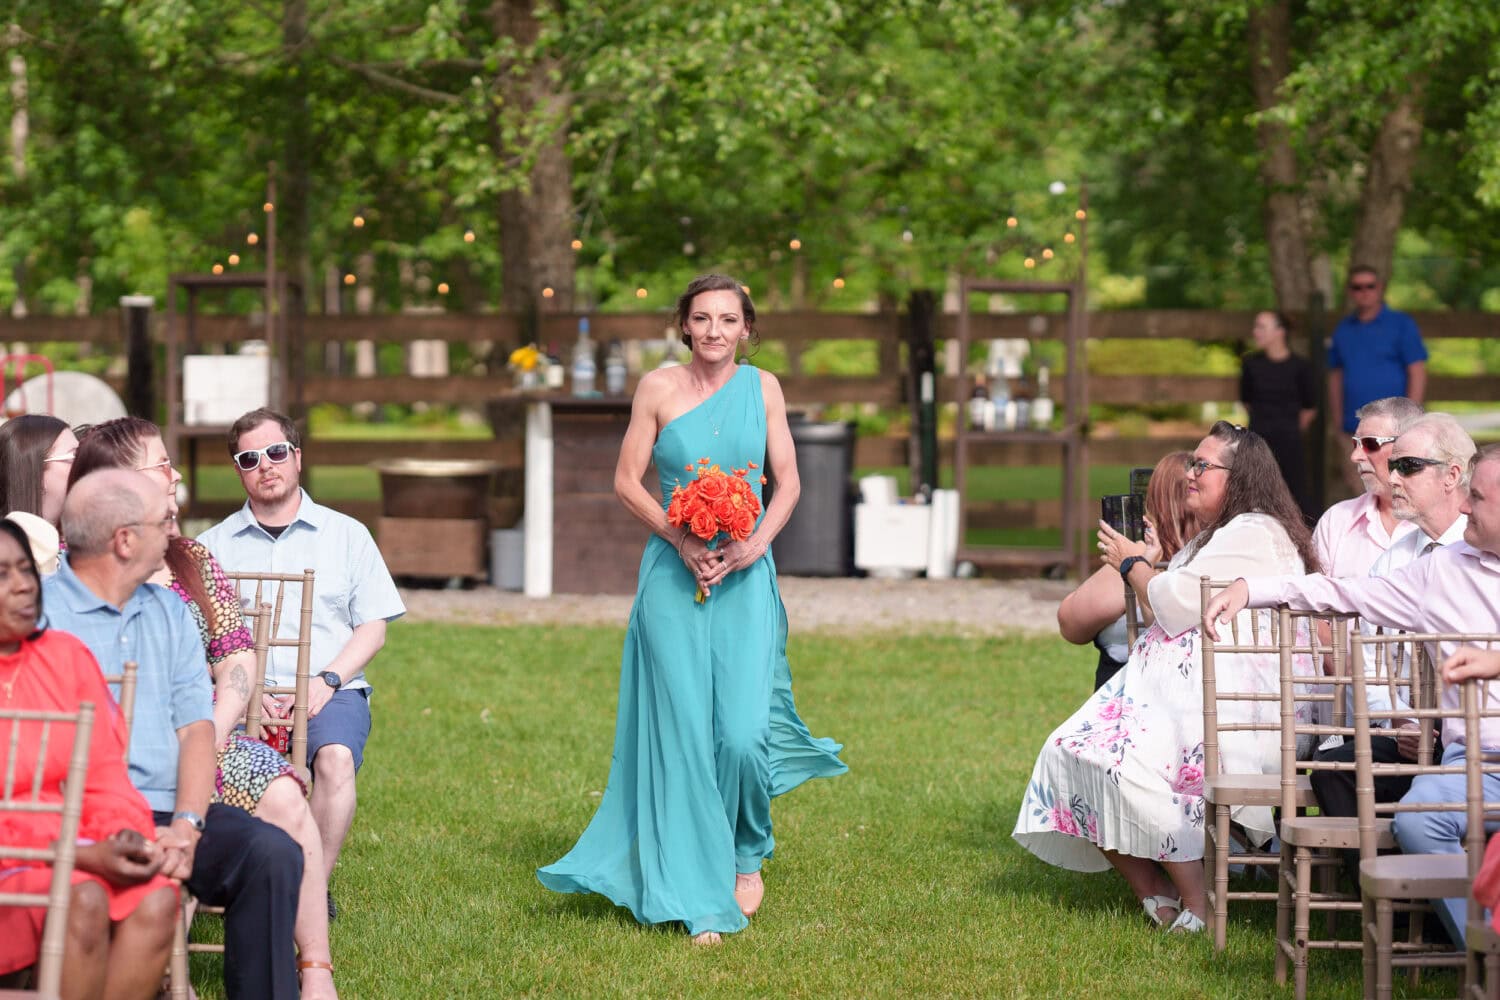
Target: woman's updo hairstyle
column 715, row 283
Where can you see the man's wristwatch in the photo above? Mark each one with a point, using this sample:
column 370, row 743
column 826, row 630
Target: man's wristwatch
column 332, row 679
column 193, row 819
column 1127, row 564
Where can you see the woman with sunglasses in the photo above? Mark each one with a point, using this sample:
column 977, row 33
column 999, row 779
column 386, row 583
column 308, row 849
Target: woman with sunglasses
column 36, row 452
column 251, row 774
column 121, row 914
column 1120, row 784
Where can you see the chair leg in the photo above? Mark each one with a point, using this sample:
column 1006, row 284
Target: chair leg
column 1301, row 928
column 1328, row 885
column 1367, row 953
column 1384, row 934
column 1221, row 877
column 1492, row 976
column 1417, row 930
column 177, row 970
column 1283, row 912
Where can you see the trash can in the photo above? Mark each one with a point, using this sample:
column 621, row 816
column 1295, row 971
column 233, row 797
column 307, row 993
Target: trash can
column 819, row 538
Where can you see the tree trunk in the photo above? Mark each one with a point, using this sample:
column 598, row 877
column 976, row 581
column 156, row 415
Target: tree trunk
column 293, row 215
column 1286, row 237
column 20, row 129
column 536, row 220
column 1382, row 203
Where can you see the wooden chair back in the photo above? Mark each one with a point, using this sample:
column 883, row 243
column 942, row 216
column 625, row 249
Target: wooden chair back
column 255, row 589
column 125, row 680
column 19, row 794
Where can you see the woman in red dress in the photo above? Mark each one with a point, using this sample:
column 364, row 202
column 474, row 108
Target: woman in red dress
column 120, row 919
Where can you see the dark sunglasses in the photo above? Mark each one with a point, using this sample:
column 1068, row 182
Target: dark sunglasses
column 1411, row 465
column 1371, row 444
column 249, row 459
column 1362, row 286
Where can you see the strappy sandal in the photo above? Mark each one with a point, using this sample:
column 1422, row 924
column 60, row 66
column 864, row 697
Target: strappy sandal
column 1153, row 903
column 1187, row 922
column 311, row 963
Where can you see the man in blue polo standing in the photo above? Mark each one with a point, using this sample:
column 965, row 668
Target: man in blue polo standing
column 1377, row 352
column 281, row 530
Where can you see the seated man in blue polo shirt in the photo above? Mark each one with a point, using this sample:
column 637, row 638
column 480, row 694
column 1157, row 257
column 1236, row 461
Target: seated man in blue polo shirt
column 281, row 530
column 116, row 524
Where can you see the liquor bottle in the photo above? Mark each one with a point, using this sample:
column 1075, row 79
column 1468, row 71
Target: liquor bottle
column 979, row 406
column 583, row 361
column 1003, row 407
column 614, row 369
column 1042, row 407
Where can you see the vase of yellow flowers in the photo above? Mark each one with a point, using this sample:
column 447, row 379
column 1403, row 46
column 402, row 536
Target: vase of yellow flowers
column 526, row 364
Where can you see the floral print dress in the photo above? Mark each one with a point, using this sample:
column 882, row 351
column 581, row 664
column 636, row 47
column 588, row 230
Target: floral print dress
column 1125, row 772
column 246, row 766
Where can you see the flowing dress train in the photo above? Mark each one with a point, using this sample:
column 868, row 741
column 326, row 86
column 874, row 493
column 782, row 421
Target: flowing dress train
column 706, row 732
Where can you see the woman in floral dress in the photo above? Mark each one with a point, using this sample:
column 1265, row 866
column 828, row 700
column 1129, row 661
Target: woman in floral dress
column 1120, row 783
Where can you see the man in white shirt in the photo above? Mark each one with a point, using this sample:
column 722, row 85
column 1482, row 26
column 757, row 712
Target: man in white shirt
column 1352, row 534
column 1429, row 483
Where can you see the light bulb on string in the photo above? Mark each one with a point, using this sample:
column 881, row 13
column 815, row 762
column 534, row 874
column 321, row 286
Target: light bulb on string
column 442, row 288
column 1012, row 222
column 794, row 243
column 1046, row 253
column 906, row 236
column 745, row 289
column 349, row 278
column 1069, row 237
column 469, row 236
column 838, row 282
column 268, row 208
column 234, row 259
column 547, row 292
column 1080, row 215
column 641, row 293
column 1029, row 262
column 1057, row 187
column 218, row 268
column 358, row 220
column 577, row 244
column 252, row 239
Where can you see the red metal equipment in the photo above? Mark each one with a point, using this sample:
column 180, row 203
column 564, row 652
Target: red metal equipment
column 17, row 363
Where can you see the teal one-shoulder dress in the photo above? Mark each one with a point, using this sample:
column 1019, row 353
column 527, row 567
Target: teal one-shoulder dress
column 706, row 733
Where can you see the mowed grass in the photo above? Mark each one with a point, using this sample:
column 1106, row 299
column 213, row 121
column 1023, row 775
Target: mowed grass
column 491, row 747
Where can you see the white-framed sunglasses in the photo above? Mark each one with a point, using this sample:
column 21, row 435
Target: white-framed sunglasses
column 249, row 459
column 66, row 456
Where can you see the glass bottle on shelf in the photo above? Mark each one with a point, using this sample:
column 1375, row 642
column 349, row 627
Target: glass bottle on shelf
column 980, row 413
column 669, row 344
column 583, row 361
column 1001, row 405
column 556, row 375
column 1042, row 406
column 614, row 369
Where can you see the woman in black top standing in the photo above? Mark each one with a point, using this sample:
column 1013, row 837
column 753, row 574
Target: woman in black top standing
column 1277, row 389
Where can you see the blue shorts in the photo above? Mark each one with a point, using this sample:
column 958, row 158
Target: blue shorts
column 345, row 720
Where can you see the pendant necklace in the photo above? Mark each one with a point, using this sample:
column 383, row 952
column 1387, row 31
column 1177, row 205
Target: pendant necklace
column 9, row 686
column 702, row 398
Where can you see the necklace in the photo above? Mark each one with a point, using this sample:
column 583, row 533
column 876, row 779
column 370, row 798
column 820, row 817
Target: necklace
column 703, row 395
column 9, row 686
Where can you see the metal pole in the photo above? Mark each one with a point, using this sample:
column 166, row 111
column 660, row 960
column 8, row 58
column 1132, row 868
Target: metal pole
column 140, row 378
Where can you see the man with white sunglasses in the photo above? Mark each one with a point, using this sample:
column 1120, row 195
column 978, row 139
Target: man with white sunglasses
column 281, row 530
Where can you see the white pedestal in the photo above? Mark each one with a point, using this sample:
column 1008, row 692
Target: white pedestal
column 538, row 499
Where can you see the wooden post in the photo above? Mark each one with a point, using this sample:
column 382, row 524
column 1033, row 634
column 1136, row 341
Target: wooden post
column 140, row 377
column 1317, row 355
column 921, row 390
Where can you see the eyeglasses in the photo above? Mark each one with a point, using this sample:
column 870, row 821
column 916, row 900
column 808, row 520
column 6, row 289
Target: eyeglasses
column 1202, row 465
column 66, row 456
column 1371, row 443
column 1411, row 465
column 249, row 459
column 1362, row 286
column 164, row 524
column 165, row 463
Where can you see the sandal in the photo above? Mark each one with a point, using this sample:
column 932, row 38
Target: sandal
column 1153, row 903
column 311, row 963
column 1187, row 922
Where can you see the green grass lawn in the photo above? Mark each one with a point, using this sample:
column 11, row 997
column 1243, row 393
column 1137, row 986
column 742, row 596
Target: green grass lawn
column 492, row 745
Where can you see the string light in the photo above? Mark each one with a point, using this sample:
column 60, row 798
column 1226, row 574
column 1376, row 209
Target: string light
column 745, row 289
column 838, row 282
column 1057, row 187
column 268, row 208
column 577, row 244
column 1069, row 237
column 1012, row 222
column 468, row 236
column 795, row 243
column 252, row 239
column 1080, row 214
column 547, row 292
column 640, row 293
column 359, row 221
column 906, row 236
column 218, row 268
column 442, row 288
column 349, row 278
column 1030, row 262
column 1046, row 253
column 234, row 259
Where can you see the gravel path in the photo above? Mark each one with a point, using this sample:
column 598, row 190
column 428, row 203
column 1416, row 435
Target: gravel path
column 965, row 607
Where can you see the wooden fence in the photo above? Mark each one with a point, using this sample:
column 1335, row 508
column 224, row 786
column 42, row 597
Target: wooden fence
column 794, row 332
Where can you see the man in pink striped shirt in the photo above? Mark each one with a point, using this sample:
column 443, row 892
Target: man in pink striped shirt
column 1352, row 534
column 1455, row 589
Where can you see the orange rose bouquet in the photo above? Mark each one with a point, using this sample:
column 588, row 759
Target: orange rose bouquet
column 715, row 503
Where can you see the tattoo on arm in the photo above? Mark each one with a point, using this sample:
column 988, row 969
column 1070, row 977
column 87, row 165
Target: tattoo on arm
column 239, row 681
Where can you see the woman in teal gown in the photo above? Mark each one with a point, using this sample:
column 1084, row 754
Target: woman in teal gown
column 706, row 733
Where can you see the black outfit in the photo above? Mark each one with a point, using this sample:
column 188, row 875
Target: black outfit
column 1275, row 392
column 1334, row 790
column 1108, row 666
column 254, row 871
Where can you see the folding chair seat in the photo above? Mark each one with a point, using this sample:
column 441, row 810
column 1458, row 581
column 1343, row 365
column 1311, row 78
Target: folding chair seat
column 1395, row 882
column 61, row 854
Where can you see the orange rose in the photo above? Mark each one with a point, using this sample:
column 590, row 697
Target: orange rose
column 741, row 526
column 675, row 510
column 703, row 524
column 723, row 509
column 712, row 488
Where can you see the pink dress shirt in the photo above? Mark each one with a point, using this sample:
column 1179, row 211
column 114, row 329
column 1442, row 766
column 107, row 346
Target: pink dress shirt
column 1454, row 589
column 1350, row 537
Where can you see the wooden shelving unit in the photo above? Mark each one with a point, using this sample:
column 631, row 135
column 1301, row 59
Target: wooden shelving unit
column 1071, row 438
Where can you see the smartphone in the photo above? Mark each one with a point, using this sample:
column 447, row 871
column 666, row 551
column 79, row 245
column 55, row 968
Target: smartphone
column 1125, row 513
column 1140, row 480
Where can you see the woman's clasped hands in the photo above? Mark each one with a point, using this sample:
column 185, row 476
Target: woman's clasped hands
column 710, row 566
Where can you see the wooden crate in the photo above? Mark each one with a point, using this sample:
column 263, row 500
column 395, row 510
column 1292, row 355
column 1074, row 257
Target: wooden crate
column 433, row 546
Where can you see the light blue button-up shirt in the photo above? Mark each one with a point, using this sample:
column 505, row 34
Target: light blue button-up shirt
column 173, row 689
column 352, row 585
